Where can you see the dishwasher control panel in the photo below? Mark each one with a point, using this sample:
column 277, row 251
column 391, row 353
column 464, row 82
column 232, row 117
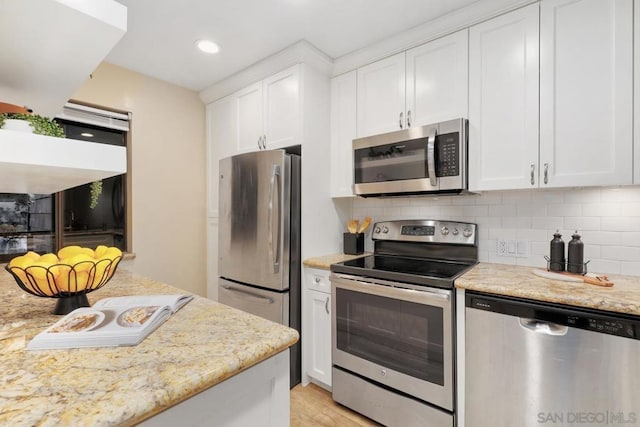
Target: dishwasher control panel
column 534, row 311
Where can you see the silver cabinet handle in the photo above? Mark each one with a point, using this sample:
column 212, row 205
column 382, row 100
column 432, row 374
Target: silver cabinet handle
column 546, row 173
column 251, row 294
column 409, row 118
column 264, row 142
column 259, row 141
column 274, row 253
column 326, row 305
column 431, row 156
column 542, row 327
column 533, row 171
column 316, row 280
column 400, row 120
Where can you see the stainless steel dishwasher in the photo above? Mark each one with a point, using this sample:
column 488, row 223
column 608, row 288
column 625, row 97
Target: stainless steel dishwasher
column 534, row 364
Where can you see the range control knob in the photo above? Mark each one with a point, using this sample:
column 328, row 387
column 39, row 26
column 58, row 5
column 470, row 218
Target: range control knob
column 385, row 229
column 467, row 232
column 376, row 230
column 455, row 231
column 444, row 231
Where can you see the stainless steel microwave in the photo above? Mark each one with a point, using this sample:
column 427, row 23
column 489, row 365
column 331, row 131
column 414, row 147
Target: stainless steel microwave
column 420, row 160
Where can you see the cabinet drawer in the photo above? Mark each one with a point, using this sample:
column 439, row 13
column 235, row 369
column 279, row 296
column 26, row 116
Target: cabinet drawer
column 318, row 280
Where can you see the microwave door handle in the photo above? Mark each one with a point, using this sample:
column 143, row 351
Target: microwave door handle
column 431, row 156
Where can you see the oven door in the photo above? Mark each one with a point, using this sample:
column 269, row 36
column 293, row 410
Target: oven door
column 399, row 337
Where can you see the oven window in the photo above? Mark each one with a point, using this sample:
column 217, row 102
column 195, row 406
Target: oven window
column 400, row 335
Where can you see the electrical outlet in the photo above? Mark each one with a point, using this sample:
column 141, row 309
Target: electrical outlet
column 514, row 248
column 502, row 247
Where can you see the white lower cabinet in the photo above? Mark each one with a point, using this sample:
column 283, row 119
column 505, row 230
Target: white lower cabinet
column 317, row 342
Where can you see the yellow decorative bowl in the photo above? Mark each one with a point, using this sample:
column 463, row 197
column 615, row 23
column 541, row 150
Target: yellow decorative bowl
column 69, row 283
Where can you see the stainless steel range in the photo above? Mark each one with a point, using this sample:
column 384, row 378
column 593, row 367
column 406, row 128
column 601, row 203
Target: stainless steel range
column 393, row 322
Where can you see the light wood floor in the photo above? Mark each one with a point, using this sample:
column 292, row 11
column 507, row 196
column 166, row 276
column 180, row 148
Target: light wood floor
column 313, row 406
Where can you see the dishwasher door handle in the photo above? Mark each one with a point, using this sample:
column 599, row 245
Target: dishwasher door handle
column 542, row 327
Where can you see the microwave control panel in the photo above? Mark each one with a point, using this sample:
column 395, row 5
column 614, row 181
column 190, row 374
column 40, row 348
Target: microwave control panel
column 448, row 149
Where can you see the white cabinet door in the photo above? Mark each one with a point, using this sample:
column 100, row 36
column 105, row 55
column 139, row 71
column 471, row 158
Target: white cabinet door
column 503, row 101
column 320, row 336
column 437, row 80
column 636, row 93
column 381, row 96
column 282, row 107
column 250, row 118
column 586, row 85
column 343, row 131
column 212, row 258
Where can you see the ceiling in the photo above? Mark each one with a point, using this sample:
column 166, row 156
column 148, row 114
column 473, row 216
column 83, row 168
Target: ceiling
column 161, row 33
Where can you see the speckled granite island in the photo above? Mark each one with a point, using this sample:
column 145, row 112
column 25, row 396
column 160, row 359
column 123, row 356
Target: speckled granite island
column 519, row 281
column 201, row 366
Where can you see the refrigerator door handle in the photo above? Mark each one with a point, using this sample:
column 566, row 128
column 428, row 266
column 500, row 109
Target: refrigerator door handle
column 275, row 253
column 250, row 294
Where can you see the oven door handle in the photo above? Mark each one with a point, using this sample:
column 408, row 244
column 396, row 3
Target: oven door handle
column 431, row 156
column 389, row 289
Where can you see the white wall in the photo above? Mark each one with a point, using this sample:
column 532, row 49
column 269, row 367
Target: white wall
column 168, row 173
column 607, row 218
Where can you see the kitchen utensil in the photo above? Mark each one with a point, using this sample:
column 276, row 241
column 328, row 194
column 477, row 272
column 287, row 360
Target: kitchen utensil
column 12, row 108
column 352, row 225
column 365, row 224
column 592, row 279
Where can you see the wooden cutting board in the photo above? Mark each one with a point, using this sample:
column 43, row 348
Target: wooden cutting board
column 572, row 277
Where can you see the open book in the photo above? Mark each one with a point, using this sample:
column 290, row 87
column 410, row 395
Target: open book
column 116, row 321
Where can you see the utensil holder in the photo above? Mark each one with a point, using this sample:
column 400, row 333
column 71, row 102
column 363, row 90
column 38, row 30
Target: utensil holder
column 353, row 243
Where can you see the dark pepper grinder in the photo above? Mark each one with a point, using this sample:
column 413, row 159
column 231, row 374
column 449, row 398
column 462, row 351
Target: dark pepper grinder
column 556, row 263
column 576, row 255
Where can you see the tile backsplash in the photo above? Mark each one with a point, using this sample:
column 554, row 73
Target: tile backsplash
column 608, row 219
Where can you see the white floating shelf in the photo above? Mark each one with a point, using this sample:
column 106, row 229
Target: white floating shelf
column 50, row 47
column 43, row 165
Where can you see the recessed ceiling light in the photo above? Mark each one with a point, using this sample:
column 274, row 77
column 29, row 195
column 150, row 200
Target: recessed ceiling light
column 87, row 134
column 207, row 46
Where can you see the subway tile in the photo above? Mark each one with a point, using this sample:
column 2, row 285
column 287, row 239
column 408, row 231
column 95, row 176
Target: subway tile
column 631, row 238
column 476, row 211
column 539, row 248
column 548, row 196
column 494, row 258
column 584, row 195
column 620, row 224
column 490, row 198
column 582, row 223
column 503, row 233
column 591, row 252
column 502, row 210
column 604, row 266
column 598, row 237
column 516, row 196
column 631, row 209
column 532, row 262
column 564, row 209
column 631, row 268
column 548, row 222
column 602, row 209
column 488, row 222
column 533, row 234
column 516, row 222
column 621, row 194
column 532, row 209
column 620, row 253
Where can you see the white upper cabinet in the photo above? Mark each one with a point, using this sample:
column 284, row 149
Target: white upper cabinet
column 436, row 83
column 269, row 112
column 584, row 133
column 343, row 131
column 50, row 47
column 503, row 101
column 423, row 85
column 636, row 93
column 222, row 141
column 250, row 118
column 586, row 87
column 381, row 96
column 282, row 107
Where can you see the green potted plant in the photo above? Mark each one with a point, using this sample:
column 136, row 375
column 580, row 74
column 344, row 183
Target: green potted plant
column 40, row 125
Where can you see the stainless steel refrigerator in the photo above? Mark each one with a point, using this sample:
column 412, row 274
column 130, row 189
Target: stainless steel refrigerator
column 259, row 238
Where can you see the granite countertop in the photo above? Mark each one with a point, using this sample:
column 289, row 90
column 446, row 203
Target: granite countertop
column 519, row 281
column 324, row 262
column 199, row 346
